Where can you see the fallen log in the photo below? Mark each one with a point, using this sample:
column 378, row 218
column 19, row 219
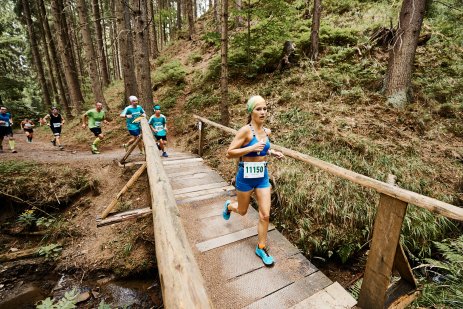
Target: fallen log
column 123, row 216
column 19, row 254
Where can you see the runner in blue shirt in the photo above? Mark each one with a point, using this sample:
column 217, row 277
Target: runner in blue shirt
column 130, row 113
column 158, row 124
column 6, row 124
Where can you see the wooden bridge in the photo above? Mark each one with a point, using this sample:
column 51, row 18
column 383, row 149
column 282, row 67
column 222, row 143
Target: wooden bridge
column 205, row 261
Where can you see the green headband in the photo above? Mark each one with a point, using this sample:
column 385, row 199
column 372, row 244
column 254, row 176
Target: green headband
column 251, row 104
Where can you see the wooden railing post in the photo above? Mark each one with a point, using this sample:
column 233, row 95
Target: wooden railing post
column 386, row 236
column 201, row 126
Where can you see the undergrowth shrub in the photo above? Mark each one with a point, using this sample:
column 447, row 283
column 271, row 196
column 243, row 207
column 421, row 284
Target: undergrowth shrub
column 333, row 36
column 201, row 100
column 172, row 72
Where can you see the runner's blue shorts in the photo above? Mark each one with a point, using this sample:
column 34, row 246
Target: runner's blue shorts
column 134, row 132
column 247, row 184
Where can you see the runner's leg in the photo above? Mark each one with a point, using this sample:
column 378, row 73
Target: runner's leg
column 264, row 201
column 242, row 204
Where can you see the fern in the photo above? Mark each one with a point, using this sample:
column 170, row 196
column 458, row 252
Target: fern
column 445, row 289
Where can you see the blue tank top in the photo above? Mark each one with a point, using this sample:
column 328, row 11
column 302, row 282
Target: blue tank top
column 6, row 118
column 253, row 141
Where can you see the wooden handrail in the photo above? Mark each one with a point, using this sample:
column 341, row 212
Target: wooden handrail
column 181, row 281
column 429, row 203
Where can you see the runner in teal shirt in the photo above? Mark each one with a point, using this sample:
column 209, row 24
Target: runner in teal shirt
column 131, row 113
column 158, row 124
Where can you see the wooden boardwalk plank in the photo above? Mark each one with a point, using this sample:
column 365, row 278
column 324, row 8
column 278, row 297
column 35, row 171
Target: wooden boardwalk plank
column 223, row 189
column 181, row 161
column 332, row 297
column 202, row 187
column 209, row 196
column 229, row 238
column 293, row 293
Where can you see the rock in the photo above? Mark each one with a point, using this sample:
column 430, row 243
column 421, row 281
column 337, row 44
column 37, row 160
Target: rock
column 14, row 249
column 95, row 294
column 82, row 297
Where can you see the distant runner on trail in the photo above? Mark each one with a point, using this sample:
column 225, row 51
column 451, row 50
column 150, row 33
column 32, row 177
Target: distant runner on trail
column 95, row 118
column 56, row 123
column 252, row 145
column 131, row 114
column 158, row 124
column 28, row 126
column 6, row 129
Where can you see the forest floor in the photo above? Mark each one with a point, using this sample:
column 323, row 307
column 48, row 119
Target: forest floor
column 91, row 258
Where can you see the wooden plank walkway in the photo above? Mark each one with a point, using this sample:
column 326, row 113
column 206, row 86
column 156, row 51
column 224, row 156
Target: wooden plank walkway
column 235, row 277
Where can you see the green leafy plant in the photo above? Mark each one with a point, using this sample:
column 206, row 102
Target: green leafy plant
column 27, row 217
column 194, row 58
column 103, row 305
column 50, row 252
column 443, row 279
column 45, row 222
column 67, row 302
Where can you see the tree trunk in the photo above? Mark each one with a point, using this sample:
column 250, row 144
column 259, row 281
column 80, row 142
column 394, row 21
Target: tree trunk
column 125, row 48
column 224, row 114
column 116, row 72
column 36, row 54
column 402, row 56
column 66, row 56
column 216, row 16
column 317, row 10
column 153, row 33
column 239, row 18
column 195, row 10
column 55, row 61
column 191, row 22
column 90, row 54
column 179, row 15
column 46, row 52
column 99, row 40
column 142, row 62
column 75, row 41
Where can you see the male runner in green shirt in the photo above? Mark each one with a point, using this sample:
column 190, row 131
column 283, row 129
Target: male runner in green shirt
column 95, row 118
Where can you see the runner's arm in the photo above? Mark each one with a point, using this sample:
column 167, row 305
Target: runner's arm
column 235, row 150
column 84, row 120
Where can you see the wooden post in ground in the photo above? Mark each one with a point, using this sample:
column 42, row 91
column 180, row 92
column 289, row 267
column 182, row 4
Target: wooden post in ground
column 124, row 189
column 181, row 281
column 386, row 253
column 386, row 235
column 201, row 126
column 131, row 148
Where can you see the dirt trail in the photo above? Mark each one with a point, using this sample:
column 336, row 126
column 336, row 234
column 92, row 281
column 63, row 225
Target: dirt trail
column 43, row 151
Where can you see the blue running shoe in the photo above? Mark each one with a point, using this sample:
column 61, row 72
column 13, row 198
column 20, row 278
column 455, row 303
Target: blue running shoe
column 263, row 254
column 165, row 155
column 226, row 213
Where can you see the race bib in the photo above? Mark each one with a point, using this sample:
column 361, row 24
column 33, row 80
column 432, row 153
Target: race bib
column 159, row 127
column 97, row 123
column 56, row 124
column 254, row 169
column 4, row 124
